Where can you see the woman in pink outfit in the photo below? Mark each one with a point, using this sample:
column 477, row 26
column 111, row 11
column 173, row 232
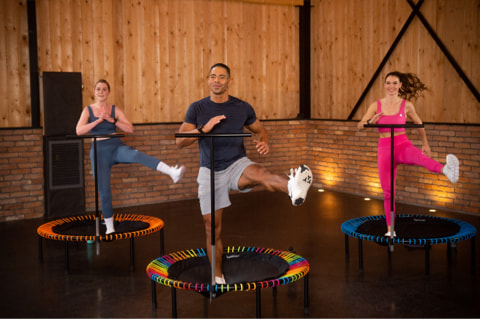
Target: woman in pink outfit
column 395, row 108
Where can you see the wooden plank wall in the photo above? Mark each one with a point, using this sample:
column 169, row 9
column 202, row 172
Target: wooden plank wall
column 15, row 105
column 350, row 39
column 156, row 54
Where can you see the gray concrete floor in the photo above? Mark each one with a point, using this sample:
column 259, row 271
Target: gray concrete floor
column 104, row 286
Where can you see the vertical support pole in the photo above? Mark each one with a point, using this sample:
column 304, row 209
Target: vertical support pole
column 212, row 216
column 97, row 213
column 67, row 259
column 305, row 295
column 472, row 255
column 132, row 254
column 347, row 249
column 360, row 255
column 174, row 302
column 259, row 301
column 427, row 259
column 33, row 59
column 392, row 190
column 304, row 27
column 154, row 295
column 40, row 249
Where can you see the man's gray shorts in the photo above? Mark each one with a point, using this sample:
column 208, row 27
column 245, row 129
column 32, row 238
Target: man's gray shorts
column 225, row 181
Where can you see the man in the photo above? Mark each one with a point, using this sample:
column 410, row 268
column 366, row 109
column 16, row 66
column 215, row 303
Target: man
column 222, row 113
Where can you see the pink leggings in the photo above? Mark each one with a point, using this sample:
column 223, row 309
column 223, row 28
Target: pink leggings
column 404, row 153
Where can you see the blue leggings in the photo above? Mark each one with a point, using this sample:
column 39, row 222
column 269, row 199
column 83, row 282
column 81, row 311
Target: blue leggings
column 109, row 153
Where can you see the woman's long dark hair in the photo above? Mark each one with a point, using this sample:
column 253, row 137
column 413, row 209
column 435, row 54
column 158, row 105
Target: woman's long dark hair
column 411, row 84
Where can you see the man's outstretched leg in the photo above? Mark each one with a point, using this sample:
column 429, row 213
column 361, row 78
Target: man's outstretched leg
column 296, row 185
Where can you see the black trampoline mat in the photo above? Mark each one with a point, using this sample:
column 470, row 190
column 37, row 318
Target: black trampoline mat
column 241, row 267
column 87, row 227
column 412, row 227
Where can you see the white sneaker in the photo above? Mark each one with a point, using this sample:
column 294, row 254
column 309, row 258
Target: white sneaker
column 451, row 169
column 220, row 280
column 177, row 173
column 388, row 234
column 300, row 181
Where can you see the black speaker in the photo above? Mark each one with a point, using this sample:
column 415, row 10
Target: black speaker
column 61, row 98
column 64, row 179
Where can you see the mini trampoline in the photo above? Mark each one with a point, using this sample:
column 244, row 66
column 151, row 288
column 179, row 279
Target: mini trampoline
column 245, row 268
column 87, row 228
column 414, row 230
column 83, row 228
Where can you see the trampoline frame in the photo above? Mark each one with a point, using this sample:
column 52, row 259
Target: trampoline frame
column 349, row 228
column 212, row 293
column 157, row 270
column 46, row 231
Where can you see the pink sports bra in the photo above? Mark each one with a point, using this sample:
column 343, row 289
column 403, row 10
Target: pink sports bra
column 398, row 118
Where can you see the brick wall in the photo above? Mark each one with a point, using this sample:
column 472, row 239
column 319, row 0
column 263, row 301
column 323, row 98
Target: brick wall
column 341, row 158
column 134, row 184
column 346, row 160
column 21, row 174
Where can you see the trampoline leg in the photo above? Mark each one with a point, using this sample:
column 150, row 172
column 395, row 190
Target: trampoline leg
column 162, row 243
column 305, row 295
column 174, row 303
column 67, row 259
column 347, row 249
column 360, row 255
column 472, row 257
column 40, row 249
column 259, row 302
column 427, row 259
column 132, row 255
column 154, row 295
column 390, row 247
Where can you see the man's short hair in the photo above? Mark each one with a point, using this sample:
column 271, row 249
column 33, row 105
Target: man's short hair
column 222, row 65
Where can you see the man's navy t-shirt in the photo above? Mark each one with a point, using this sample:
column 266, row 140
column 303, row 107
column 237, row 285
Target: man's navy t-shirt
column 238, row 113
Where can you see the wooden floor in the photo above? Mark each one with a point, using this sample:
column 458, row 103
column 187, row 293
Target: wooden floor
column 102, row 285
